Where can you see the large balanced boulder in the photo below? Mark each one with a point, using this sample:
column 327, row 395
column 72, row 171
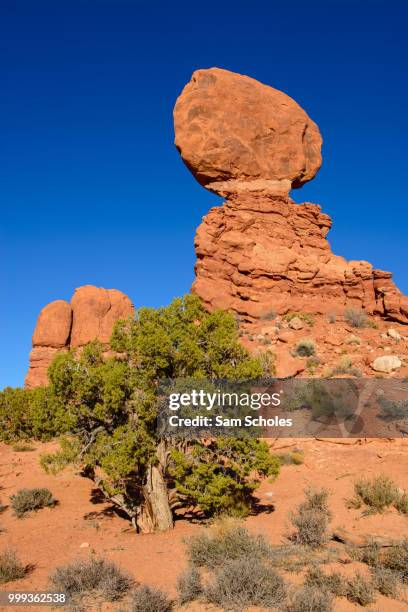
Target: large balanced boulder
column 229, row 127
column 260, row 252
column 91, row 315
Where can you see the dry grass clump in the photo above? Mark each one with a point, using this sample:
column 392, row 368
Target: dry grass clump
column 305, row 348
column 149, row 599
column 270, row 315
column 268, row 362
column 334, row 583
column 385, row 581
column 189, row 585
column 370, row 554
column 356, row 318
column 312, row 519
column 393, row 410
column 243, row 582
column 10, row 567
column 310, row 599
column 396, row 559
column 303, row 316
column 401, row 503
column 296, row 457
column 345, row 366
column 226, row 541
column 377, row 494
column 31, row 500
column 22, row 447
column 360, row 590
column 95, row 576
column 239, row 569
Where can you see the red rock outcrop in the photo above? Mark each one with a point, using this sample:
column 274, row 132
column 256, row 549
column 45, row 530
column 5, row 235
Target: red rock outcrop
column 91, row 315
column 260, row 251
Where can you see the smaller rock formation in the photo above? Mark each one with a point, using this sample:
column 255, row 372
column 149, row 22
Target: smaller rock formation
column 91, row 315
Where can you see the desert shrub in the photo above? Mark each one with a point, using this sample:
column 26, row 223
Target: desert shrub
column 310, row 599
column 377, row 494
column 295, row 457
column 22, row 447
column 360, row 590
column 189, row 585
column 150, row 599
column 228, row 541
column 356, row 318
column 369, row 554
column 270, row 315
column 385, row 581
column 312, row 363
column 353, row 340
column 112, row 405
column 304, row 316
column 395, row 558
column 345, row 366
column 52, row 463
column 391, row 410
column 401, row 502
column 10, row 567
column 334, row 583
column 94, row 576
column 331, row 318
column 31, row 413
column 241, row 582
column 305, row 348
column 312, row 519
column 29, row 500
column 267, row 359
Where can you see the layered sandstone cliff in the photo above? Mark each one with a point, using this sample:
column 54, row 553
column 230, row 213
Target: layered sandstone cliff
column 91, row 315
column 260, row 251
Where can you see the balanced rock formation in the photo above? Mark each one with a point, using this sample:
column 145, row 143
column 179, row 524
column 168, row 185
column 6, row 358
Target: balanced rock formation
column 91, row 315
column 260, row 251
column 232, row 129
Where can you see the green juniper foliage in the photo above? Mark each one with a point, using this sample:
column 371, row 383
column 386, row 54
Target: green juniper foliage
column 109, row 407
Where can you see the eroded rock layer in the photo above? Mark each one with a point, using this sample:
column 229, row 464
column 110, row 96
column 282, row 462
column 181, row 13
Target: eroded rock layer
column 259, row 253
column 91, row 315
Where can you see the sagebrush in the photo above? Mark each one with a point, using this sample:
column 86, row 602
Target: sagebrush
column 93, row 576
column 11, row 567
column 31, row 500
column 150, row 599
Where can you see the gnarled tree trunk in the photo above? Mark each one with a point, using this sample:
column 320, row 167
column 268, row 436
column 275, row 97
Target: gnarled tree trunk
column 154, row 514
column 153, row 511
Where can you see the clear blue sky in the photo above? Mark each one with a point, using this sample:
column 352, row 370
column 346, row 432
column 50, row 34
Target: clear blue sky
column 92, row 189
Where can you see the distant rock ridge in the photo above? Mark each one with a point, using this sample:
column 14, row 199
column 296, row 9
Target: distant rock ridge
column 60, row 326
column 260, row 251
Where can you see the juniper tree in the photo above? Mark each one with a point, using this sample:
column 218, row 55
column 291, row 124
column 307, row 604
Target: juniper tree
column 110, row 408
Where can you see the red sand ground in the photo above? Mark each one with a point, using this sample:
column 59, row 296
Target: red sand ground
column 77, row 527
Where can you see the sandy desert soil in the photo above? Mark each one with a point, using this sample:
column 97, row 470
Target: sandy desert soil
column 81, row 524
